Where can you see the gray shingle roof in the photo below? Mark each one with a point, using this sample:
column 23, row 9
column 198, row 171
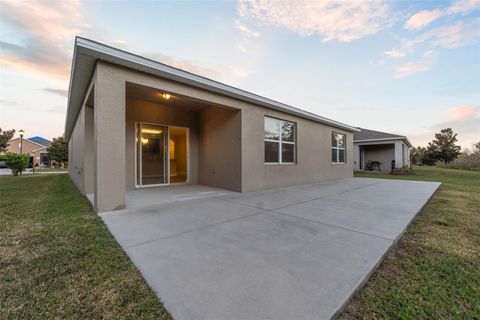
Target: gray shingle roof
column 366, row 134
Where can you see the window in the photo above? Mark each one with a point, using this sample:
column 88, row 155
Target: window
column 338, row 147
column 279, row 141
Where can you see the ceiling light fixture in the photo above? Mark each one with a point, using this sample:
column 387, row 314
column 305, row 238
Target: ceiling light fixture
column 152, row 131
column 166, row 96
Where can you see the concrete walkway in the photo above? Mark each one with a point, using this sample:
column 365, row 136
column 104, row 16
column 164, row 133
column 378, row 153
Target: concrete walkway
column 293, row 253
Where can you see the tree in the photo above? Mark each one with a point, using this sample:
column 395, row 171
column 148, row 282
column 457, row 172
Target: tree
column 5, row 136
column 417, row 154
column 16, row 162
column 443, row 147
column 476, row 147
column 58, row 150
column 429, row 155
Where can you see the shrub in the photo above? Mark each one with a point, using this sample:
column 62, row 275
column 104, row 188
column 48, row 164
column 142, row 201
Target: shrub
column 16, row 162
column 467, row 160
column 402, row 171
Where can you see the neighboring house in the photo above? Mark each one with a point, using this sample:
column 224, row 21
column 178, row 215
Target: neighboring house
column 381, row 147
column 133, row 122
column 36, row 147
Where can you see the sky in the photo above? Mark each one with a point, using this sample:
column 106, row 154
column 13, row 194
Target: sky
column 405, row 67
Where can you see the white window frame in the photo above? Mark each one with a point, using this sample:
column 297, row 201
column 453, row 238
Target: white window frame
column 280, row 142
column 339, row 148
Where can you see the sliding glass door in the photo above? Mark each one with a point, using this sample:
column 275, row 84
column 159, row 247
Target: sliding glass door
column 152, row 155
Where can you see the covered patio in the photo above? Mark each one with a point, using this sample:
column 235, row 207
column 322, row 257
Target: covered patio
column 380, row 151
column 162, row 136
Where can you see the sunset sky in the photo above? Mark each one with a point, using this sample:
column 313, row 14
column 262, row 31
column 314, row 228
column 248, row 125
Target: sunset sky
column 403, row 67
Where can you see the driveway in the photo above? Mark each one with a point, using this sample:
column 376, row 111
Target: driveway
column 292, row 253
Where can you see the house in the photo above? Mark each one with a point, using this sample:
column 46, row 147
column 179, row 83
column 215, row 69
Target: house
column 380, row 147
column 133, row 122
column 36, row 147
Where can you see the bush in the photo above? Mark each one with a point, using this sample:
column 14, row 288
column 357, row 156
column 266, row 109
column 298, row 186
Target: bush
column 16, row 162
column 467, row 160
column 402, row 171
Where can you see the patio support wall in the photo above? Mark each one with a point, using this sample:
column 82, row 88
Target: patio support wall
column 356, row 156
column 76, row 150
column 398, row 154
column 88, row 150
column 109, row 139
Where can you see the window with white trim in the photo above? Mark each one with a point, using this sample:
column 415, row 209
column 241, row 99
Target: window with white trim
column 279, row 141
column 338, row 147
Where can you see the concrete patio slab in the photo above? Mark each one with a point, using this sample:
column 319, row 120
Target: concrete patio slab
column 268, row 266
column 173, row 193
column 150, row 223
column 293, row 253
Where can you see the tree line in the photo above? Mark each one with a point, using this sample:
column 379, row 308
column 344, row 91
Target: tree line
column 443, row 149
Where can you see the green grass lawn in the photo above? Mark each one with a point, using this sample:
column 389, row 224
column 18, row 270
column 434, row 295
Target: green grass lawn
column 434, row 272
column 59, row 261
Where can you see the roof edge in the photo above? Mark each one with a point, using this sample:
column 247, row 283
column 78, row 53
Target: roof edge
column 128, row 59
column 24, row 139
column 386, row 139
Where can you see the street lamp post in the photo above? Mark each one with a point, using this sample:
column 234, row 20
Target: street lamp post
column 21, row 132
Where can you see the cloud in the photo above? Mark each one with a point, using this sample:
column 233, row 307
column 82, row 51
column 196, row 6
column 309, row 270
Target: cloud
column 467, row 126
column 422, row 18
column 426, row 17
column 8, row 103
column 409, row 68
column 464, row 6
column 454, row 36
column 342, row 20
column 463, row 112
column 61, row 92
column 394, row 53
column 463, row 119
column 460, row 34
column 241, row 47
column 245, row 30
column 48, row 30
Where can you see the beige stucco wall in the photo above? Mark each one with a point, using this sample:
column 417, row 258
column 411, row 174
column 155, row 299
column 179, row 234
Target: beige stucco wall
column 313, row 153
column 220, row 148
column 143, row 111
column 76, row 151
column 109, row 139
column 383, row 153
column 88, row 156
column 226, row 146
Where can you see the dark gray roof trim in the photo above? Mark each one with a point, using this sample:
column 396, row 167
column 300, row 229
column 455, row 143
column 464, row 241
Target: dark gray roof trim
column 86, row 52
column 372, row 135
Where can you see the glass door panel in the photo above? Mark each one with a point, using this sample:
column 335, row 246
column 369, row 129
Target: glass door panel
column 152, row 151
